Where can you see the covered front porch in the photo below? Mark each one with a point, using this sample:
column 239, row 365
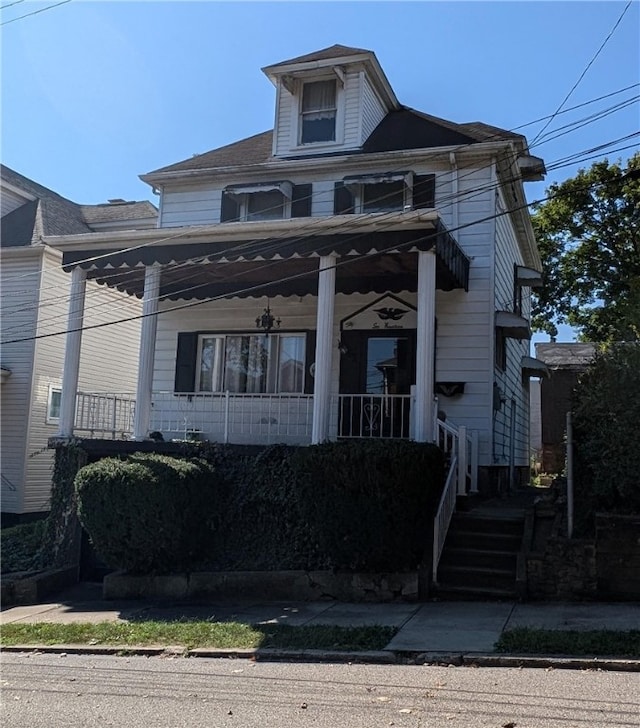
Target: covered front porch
column 380, row 254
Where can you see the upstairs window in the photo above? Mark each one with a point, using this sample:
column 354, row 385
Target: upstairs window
column 384, row 192
column 265, row 201
column 318, row 112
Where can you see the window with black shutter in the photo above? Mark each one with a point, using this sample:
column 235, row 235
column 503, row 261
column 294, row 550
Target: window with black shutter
column 424, row 191
column 343, row 200
column 301, row 201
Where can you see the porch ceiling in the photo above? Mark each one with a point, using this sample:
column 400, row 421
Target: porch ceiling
column 373, row 262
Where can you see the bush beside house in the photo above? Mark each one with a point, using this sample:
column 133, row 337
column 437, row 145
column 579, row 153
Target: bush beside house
column 606, row 414
column 342, row 506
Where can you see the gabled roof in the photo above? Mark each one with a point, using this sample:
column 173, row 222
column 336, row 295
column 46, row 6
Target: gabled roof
column 52, row 214
column 334, row 51
column 399, row 130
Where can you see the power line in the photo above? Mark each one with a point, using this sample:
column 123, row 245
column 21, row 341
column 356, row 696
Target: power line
column 34, row 12
column 583, row 74
column 10, row 5
column 473, row 169
column 268, row 284
column 273, row 243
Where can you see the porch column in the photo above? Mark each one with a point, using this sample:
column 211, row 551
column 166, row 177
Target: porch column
column 425, row 335
column 73, row 342
column 147, row 352
column 324, row 349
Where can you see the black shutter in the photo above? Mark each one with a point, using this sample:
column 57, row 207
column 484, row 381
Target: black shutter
column 186, row 362
column 301, row 201
column 230, row 209
column 310, row 358
column 424, row 191
column 342, row 200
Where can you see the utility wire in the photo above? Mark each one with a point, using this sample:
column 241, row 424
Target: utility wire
column 263, row 285
column 583, row 74
column 35, row 12
column 10, row 5
column 274, row 244
column 498, row 135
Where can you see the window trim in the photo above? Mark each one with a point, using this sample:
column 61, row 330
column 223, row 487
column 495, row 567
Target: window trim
column 273, row 374
column 296, row 113
column 49, row 418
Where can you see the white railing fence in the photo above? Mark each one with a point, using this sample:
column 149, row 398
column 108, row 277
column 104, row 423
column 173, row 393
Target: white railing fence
column 377, row 416
column 461, row 451
column 230, row 417
column 106, row 414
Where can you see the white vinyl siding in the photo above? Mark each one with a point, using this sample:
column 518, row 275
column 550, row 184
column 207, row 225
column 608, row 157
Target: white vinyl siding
column 20, row 271
column 373, row 111
column 510, row 381
column 108, row 363
column 190, row 206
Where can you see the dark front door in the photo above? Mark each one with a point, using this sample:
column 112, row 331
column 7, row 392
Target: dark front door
column 376, row 369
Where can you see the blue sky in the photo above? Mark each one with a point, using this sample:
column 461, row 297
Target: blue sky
column 96, row 93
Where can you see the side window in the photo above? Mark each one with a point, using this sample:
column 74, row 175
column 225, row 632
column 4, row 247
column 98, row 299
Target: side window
column 53, row 405
column 501, row 350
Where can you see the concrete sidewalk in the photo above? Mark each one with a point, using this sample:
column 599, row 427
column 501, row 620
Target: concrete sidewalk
column 431, row 627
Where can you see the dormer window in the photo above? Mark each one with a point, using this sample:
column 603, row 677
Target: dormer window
column 318, row 112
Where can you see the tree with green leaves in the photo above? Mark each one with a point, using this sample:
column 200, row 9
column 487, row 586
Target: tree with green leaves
column 588, row 233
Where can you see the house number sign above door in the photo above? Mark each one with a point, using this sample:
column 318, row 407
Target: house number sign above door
column 387, row 312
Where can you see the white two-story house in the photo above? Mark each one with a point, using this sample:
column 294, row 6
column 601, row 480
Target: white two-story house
column 34, row 301
column 361, row 270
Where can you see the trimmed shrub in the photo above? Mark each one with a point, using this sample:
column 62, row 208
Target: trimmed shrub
column 606, row 415
column 265, row 526
column 369, row 503
column 149, row 513
column 21, row 545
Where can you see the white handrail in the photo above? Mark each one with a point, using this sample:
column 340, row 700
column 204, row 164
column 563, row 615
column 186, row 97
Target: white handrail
column 442, row 519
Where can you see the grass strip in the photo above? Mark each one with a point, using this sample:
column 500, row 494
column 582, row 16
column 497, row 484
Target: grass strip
column 221, row 635
column 530, row 641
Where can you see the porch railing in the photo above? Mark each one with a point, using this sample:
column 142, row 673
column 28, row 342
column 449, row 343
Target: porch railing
column 106, row 414
column 375, row 416
column 231, row 417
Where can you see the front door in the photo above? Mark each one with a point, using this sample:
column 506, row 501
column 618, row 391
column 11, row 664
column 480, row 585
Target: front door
column 377, row 370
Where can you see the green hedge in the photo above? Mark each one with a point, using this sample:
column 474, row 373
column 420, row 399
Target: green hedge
column 606, row 411
column 355, row 505
column 148, row 513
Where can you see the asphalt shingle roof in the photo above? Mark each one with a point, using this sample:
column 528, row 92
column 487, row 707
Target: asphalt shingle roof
column 334, row 51
column 405, row 128
column 52, row 214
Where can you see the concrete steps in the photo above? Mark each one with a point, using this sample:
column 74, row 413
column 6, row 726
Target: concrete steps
column 480, row 556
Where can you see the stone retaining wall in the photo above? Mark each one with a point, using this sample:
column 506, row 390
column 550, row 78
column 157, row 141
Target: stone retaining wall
column 267, row 585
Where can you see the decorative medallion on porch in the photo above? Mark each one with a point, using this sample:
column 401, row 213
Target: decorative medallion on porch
column 386, row 312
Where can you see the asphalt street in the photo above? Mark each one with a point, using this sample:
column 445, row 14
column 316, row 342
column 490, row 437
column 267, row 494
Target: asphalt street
column 56, row 691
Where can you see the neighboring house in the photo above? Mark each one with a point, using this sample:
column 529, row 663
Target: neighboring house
column 565, row 363
column 329, row 278
column 34, row 303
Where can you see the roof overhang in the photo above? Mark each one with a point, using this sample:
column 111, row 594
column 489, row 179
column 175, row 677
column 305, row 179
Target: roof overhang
column 372, row 179
column 528, row 277
column 531, row 168
column 513, row 326
column 282, row 168
column 283, row 186
column 305, row 69
column 532, row 367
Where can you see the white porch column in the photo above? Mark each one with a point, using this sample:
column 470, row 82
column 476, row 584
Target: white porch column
column 324, row 349
column 73, row 342
column 147, row 352
column 425, row 335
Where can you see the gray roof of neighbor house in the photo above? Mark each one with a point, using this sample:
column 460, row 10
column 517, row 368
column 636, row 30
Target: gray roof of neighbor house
column 567, row 355
column 52, row 214
column 399, row 130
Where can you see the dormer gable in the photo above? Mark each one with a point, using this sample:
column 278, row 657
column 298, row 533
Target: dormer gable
column 328, row 101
